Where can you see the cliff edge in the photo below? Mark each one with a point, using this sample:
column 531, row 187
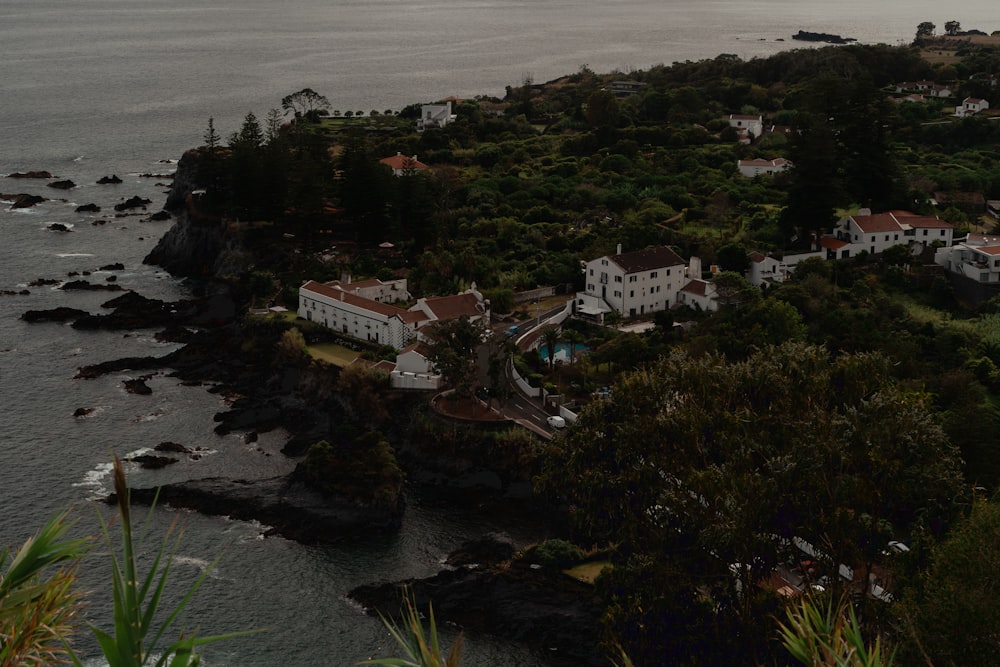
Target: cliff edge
column 200, row 244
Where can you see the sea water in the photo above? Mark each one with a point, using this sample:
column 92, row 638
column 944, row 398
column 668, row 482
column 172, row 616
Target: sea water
column 92, row 88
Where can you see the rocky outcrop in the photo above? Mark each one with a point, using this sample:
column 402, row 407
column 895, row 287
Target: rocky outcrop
column 22, row 200
column 61, row 314
column 62, row 185
column 88, row 208
column 133, row 202
column 197, row 245
column 290, row 508
column 520, row 601
column 30, row 174
column 109, row 180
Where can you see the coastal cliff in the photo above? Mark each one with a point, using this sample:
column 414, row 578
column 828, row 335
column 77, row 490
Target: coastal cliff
column 200, row 244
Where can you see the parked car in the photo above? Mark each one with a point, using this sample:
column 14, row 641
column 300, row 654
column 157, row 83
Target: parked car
column 555, row 421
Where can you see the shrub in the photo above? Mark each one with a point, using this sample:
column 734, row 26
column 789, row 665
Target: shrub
column 558, row 553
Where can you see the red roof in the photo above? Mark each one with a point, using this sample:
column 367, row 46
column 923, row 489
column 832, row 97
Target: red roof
column 697, row 287
column 361, row 302
column 877, row 222
column 831, row 243
column 989, row 250
column 453, row 307
column 400, row 161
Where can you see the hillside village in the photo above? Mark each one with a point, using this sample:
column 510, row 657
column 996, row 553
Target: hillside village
column 748, row 308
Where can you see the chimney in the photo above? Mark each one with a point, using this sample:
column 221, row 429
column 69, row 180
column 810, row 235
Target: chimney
column 619, row 249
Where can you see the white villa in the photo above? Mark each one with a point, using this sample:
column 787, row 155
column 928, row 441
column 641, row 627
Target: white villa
column 874, row 233
column 403, row 165
column 435, row 115
column 382, row 323
column 699, row 294
column 633, row 283
column 977, row 258
column 751, row 168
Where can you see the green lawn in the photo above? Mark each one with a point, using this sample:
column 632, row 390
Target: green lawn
column 587, row 572
column 332, row 353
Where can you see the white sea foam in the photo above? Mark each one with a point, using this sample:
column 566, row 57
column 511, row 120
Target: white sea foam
column 74, row 254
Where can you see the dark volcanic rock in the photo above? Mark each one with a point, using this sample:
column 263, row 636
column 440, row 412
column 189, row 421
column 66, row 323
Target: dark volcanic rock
column 60, row 314
column 88, row 208
column 150, row 462
column 137, row 386
column 62, row 185
column 133, row 202
column 58, row 227
column 109, row 180
column 547, row 610
column 82, row 412
column 173, row 447
column 89, row 286
column 30, row 174
column 117, row 266
column 22, row 200
column 492, row 548
column 41, row 282
column 126, row 364
column 160, row 216
column 290, row 508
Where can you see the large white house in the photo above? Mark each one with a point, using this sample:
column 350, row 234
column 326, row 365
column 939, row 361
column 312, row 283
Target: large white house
column 356, row 316
column 765, row 269
column 370, row 320
column 971, row 106
column 875, row 232
column 633, row 283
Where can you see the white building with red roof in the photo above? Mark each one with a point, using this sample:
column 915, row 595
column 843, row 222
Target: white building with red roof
column 699, row 294
column 403, row 165
column 749, row 127
column 976, row 258
column 971, row 106
column 386, row 291
column 633, row 283
column 351, row 314
column 875, row 232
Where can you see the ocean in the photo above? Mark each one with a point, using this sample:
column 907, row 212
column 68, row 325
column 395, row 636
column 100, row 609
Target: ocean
column 92, row 88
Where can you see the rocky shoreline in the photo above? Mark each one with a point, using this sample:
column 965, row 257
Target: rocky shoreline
column 494, row 590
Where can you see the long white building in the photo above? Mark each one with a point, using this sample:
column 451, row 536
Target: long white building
column 633, row 283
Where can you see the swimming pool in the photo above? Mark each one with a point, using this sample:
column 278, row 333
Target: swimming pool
column 562, row 351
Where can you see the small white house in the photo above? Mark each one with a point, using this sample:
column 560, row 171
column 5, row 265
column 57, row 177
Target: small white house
column 752, row 168
column 403, row 165
column 699, row 294
column 414, row 369
column 435, row 115
column 971, row 106
column 978, row 258
column 750, row 127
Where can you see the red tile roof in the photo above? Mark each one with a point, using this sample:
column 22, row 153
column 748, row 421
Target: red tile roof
column 361, row 302
column 697, row 287
column 989, row 250
column 452, row 307
column 400, row 161
column 831, row 243
column 877, row 222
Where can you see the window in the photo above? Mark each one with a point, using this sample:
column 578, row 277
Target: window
column 618, row 279
column 591, row 272
column 617, row 293
column 886, row 237
column 668, row 272
column 895, row 237
column 652, row 274
column 942, row 232
column 631, row 293
column 925, row 232
column 632, row 279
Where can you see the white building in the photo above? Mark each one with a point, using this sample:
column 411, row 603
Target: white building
column 749, row 127
column 699, row 294
column 978, row 258
column 971, row 106
column 356, row 316
column 435, row 115
column 403, row 165
column 377, row 322
column 751, row 168
column 874, row 233
column 633, row 284
column 414, row 369
column 765, row 269
column 390, row 291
